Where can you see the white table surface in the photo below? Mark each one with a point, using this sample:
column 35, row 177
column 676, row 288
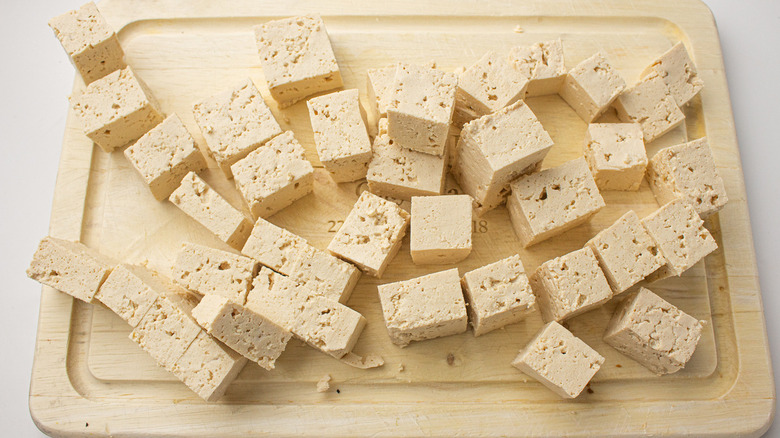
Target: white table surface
column 37, row 78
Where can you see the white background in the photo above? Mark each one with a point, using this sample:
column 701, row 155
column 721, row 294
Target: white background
column 36, row 79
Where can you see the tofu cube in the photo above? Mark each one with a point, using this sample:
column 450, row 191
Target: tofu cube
column 380, row 86
column 129, row 291
column 497, row 294
column 70, row 267
column 210, row 271
column 591, row 86
column 90, row 42
column 547, row 203
column 678, row 72
column 423, row 308
column 497, row 148
column 234, row 123
column 199, row 201
column 542, row 63
column 371, row 234
column 650, row 104
column 340, row 134
column 116, row 109
column 297, row 58
column 570, row 285
column 440, row 229
column 688, row 171
column 653, row 332
column 616, row 155
column 559, row 360
column 274, row 176
column 208, row 367
column 273, row 246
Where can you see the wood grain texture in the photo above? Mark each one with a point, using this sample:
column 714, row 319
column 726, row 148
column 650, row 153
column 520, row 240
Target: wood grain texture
column 86, row 370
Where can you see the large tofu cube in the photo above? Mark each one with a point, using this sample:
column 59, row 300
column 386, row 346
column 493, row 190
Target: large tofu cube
column 297, row 58
column 497, row 148
column 116, row 109
column 497, row 294
column 591, row 86
column 559, row 360
column 678, row 72
column 273, row 246
column 234, row 123
column 340, row 134
column 547, row 203
column 440, row 229
column 543, row 64
column 423, row 308
column 380, row 88
column 650, row 104
column 129, row 291
column 210, row 271
column 653, row 332
column 570, row 285
column 616, row 155
column 208, row 367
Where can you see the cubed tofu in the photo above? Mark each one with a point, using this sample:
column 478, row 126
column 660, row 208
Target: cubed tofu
column 616, row 155
column 649, row 103
column 543, row 64
column 273, row 246
column 380, row 89
column 440, row 229
column 678, row 72
column 591, row 87
column 210, row 271
column 208, row 367
column 129, row 291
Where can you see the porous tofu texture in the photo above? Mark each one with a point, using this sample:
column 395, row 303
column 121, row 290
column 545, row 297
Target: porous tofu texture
column 273, row 246
column 488, row 85
column 297, row 58
column 678, row 72
column 380, row 88
column 440, row 229
column 559, row 360
column 653, row 332
column 423, row 308
column 210, row 271
column 591, row 86
column 129, row 291
column 616, row 155
column 650, row 104
column 208, row 367
column 371, row 234
column 543, row 64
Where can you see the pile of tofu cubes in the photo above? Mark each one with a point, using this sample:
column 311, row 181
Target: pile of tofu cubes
column 222, row 308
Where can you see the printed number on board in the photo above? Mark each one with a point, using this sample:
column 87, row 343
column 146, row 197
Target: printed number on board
column 479, row 226
column 334, row 226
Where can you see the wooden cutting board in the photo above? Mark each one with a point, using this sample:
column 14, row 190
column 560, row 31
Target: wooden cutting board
column 89, row 378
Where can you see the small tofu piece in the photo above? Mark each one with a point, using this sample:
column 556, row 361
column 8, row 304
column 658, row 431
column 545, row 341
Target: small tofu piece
column 251, row 334
column 653, row 332
column 371, row 234
column 89, row 41
column 274, row 176
column 542, row 63
column 202, row 203
column 421, row 108
column 678, row 72
column 547, row 203
column 340, row 134
column 210, row 271
column 440, row 229
column 649, row 103
column 208, row 367
column 497, row 148
column 129, row 291
column 497, row 294
column 273, row 246
column 164, row 155
column 234, row 123
column 70, row 267
column 626, row 252
column 688, row 171
column 616, row 155
column 591, row 87
column 559, row 360
column 116, row 109
column 297, row 58
column 423, row 308
column 380, row 86
column 570, row 285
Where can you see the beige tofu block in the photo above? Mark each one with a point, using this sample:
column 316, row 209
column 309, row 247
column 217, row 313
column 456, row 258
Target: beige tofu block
column 116, row 109
column 547, row 203
column 497, row 148
column 164, row 155
column 591, row 86
column 371, row 234
column 649, row 103
column 340, row 134
column 234, row 123
column 559, row 360
column 70, row 267
column 199, row 201
column 297, row 58
column 273, row 177
column 252, row 335
column 543, row 64
column 681, row 237
column 497, row 294
column 129, row 291
column 678, row 72
column 427, row 307
column 89, row 41
column 210, row 271
column 653, row 332
column 570, row 285
column 421, row 108
column 208, row 367
column 380, row 86
column 616, row 155
column 440, row 229
column 688, row 171
column 626, row 252
column 273, row 246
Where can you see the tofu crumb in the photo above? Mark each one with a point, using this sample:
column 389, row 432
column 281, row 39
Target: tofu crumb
column 323, row 385
column 401, row 368
column 518, row 29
